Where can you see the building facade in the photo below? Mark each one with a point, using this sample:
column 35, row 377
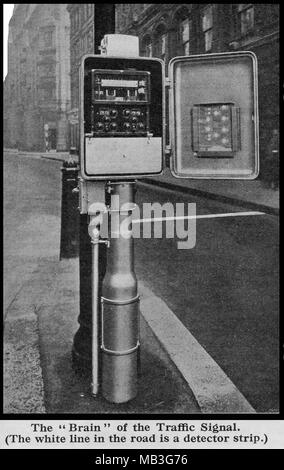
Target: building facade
column 81, row 42
column 88, row 24
column 37, row 86
column 169, row 30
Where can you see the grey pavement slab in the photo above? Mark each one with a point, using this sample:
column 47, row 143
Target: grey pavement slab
column 23, row 384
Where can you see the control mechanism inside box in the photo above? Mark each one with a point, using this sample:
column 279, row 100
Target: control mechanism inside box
column 120, row 103
column 215, row 130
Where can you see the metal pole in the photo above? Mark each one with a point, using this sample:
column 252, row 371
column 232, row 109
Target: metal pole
column 95, row 310
column 120, row 312
column 81, row 351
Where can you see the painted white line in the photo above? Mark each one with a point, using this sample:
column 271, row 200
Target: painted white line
column 199, row 216
column 212, row 388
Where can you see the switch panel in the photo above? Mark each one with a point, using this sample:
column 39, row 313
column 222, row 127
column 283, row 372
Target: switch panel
column 120, row 103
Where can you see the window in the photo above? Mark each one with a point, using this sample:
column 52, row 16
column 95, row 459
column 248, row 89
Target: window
column 85, row 15
column 76, row 49
column 23, row 80
column 46, row 70
column 48, row 38
column 82, row 45
column 182, row 37
column 149, row 50
column 90, row 41
column 163, row 45
column 246, row 18
column 89, row 9
column 147, row 47
column 76, row 20
column 207, row 28
column 160, row 42
column 46, row 94
column 185, row 31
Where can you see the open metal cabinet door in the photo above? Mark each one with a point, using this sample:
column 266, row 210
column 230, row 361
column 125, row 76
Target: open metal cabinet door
column 213, row 116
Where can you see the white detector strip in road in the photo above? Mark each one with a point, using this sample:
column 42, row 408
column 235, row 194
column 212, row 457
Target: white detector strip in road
column 199, row 216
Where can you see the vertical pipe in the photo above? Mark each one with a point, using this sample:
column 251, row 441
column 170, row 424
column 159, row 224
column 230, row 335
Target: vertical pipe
column 95, row 313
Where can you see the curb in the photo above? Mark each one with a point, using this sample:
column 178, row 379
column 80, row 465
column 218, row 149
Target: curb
column 211, row 387
column 58, row 159
column 208, row 195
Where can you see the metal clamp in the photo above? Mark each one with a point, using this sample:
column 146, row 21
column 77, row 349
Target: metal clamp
column 110, row 184
column 117, row 302
column 100, row 240
column 126, row 211
column 120, row 302
column 120, row 353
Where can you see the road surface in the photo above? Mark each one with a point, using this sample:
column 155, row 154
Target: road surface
column 224, row 290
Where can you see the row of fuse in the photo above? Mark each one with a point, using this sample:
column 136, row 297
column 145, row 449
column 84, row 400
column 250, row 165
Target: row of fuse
column 130, row 124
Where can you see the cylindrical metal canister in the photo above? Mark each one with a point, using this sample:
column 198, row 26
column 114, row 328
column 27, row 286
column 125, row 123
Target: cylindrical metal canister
column 120, row 314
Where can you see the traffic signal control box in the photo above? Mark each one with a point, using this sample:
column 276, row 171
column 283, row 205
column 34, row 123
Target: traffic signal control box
column 212, row 116
column 122, row 117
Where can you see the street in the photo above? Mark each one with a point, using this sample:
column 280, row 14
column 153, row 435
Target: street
column 224, row 290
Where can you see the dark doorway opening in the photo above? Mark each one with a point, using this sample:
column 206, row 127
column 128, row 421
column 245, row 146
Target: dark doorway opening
column 52, row 139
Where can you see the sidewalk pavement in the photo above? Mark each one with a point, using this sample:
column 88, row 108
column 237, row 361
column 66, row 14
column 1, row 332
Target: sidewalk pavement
column 249, row 194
